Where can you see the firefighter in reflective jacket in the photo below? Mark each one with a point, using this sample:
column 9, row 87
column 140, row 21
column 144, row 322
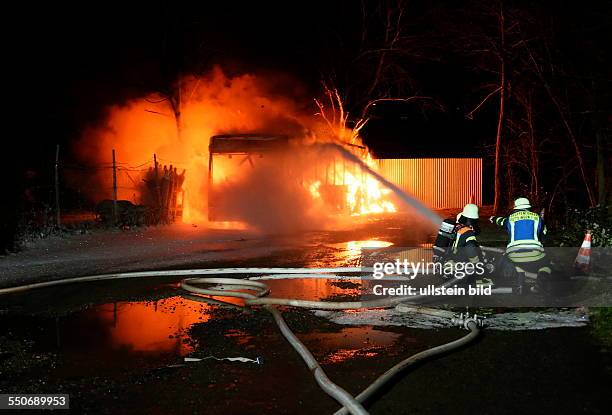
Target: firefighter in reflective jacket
column 456, row 241
column 526, row 231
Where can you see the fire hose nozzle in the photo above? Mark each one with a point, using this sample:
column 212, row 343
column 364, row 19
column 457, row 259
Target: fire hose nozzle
column 464, row 319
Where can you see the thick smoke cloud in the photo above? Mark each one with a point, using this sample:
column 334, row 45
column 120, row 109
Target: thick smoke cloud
column 210, row 105
column 273, row 193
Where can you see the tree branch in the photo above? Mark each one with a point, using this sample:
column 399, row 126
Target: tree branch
column 470, row 115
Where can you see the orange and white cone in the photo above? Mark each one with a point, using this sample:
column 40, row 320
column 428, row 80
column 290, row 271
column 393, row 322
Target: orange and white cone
column 583, row 260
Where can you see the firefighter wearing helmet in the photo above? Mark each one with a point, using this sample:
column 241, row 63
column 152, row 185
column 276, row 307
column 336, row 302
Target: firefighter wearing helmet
column 457, row 239
column 525, row 250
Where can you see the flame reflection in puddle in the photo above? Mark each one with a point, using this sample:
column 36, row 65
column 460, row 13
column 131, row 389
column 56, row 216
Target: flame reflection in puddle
column 349, row 343
column 372, row 243
column 162, row 327
column 157, row 326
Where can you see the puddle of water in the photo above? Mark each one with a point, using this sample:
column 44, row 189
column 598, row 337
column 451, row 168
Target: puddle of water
column 114, row 336
column 369, row 244
column 351, row 253
column 349, row 343
column 157, row 333
column 314, row 288
column 133, row 349
column 151, row 326
column 358, row 245
column 366, row 252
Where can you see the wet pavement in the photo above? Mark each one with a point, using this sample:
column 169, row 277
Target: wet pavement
column 187, row 246
column 120, row 347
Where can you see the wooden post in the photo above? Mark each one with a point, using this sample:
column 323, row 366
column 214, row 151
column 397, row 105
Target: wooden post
column 58, row 220
column 157, row 192
column 114, row 188
column 155, row 163
column 211, row 201
column 172, row 198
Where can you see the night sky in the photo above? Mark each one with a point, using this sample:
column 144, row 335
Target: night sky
column 77, row 59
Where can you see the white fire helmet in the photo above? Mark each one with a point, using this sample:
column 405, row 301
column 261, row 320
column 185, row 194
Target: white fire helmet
column 522, row 203
column 470, row 211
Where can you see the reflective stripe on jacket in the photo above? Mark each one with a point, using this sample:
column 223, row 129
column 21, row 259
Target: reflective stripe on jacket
column 466, row 239
column 525, row 229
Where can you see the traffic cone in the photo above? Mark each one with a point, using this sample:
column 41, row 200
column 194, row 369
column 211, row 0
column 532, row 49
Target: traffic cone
column 472, row 199
column 583, row 260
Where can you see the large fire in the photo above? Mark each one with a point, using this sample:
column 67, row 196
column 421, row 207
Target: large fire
column 362, row 193
column 217, row 104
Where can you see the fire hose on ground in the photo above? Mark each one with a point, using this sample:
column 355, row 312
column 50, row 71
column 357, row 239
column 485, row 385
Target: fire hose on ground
column 233, row 287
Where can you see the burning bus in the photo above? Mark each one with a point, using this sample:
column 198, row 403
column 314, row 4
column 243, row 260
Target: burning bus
column 265, row 166
column 228, row 156
column 256, row 175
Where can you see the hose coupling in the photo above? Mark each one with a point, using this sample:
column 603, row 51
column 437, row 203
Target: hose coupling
column 463, row 319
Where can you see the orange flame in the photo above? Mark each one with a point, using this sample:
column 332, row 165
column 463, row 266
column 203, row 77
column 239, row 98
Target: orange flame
column 214, row 104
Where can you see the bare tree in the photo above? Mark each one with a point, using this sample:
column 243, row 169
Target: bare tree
column 379, row 69
column 393, row 14
column 502, row 102
column 563, row 115
column 484, row 43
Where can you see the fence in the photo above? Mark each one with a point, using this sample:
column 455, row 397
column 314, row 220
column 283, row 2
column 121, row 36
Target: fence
column 151, row 192
column 437, row 182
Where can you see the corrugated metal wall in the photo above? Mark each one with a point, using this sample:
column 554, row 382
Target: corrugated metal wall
column 437, row 182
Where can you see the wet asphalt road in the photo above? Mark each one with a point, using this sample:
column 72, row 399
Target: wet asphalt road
column 184, row 246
